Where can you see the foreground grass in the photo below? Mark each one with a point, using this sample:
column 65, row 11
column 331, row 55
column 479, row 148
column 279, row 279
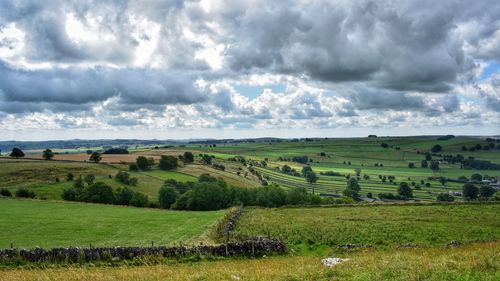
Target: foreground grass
column 471, row 262
column 379, row 225
column 30, row 223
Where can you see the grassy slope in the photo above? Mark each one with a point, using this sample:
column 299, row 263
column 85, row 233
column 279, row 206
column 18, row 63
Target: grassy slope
column 471, row 262
column 374, row 225
column 40, row 176
column 30, row 223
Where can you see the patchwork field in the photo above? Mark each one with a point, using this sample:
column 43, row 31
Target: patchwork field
column 30, row 223
column 380, row 226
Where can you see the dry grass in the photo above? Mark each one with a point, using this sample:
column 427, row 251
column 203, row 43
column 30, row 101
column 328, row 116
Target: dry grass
column 471, row 262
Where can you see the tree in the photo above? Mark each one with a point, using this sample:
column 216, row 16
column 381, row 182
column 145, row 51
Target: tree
column 445, row 197
column 470, row 191
column 142, row 163
column 428, row 157
column 311, row 178
column 207, row 159
column 405, row 190
column 16, row 153
column 89, row 179
column 133, row 167
column 47, row 154
column 168, row 162
column 25, row 193
column 305, row 170
column 436, row 148
column 352, row 189
column 424, row 164
column 476, row 177
column 139, row 200
column 123, row 196
column 70, row 177
column 434, row 166
column 95, row 157
column 167, row 196
column 188, row 157
column 99, row 192
column 411, row 165
column 486, row 191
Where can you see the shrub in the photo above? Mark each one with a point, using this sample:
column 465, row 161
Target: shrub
column 486, row 191
column 99, row 192
column 25, row 193
column 411, row 165
column 133, row 167
column 405, row 190
column 70, row 177
column 168, row 162
column 470, row 191
column 445, row 197
column 139, row 200
column 167, row 197
column 5, row 192
column 144, row 163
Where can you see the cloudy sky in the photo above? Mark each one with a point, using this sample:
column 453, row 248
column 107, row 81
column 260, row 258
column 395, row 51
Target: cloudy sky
column 195, row 69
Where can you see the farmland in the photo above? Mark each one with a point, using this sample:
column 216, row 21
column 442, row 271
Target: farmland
column 405, row 239
column 30, row 223
column 475, row 262
column 380, row 226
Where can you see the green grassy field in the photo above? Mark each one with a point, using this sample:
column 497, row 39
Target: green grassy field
column 379, row 225
column 30, row 223
column 40, row 176
column 362, row 153
column 475, row 262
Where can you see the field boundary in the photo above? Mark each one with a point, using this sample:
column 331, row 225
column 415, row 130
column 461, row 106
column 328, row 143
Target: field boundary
column 256, row 246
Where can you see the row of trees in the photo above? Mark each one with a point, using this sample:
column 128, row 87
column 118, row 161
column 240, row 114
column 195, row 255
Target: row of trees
column 86, row 190
column 210, row 193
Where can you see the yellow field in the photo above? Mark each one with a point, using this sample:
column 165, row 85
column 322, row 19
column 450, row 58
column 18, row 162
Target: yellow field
column 471, row 262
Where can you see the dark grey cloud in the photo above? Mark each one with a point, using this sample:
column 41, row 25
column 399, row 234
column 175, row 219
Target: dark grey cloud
column 398, row 55
column 367, row 98
column 77, row 86
column 399, row 45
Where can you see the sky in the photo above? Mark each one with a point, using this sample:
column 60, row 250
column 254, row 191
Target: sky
column 234, row 69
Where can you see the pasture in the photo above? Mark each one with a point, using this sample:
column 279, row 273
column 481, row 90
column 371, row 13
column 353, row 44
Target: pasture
column 31, row 223
column 474, row 262
column 376, row 225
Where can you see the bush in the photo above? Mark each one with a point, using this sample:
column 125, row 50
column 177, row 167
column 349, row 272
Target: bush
column 25, row 193
column 411, row 165
column 5, row 192
column 139, row 200
column 470, row 191
column 168, row 162
column 144, row 163
column 99, row 192
column 167, row 197
column 70, row 194
column 133, row 167
column 70, row 177
column 486, row 191
column 445, row 197
column 405, row 190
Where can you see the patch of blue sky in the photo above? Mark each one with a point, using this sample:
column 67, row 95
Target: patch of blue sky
column 254, row 91
column 489, row 70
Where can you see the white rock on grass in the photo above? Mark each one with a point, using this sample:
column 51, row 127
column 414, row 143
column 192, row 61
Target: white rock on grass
column 332, row 261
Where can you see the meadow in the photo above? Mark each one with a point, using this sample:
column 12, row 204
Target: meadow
column 31, row 223
column 375, row 225
column 470, row 262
